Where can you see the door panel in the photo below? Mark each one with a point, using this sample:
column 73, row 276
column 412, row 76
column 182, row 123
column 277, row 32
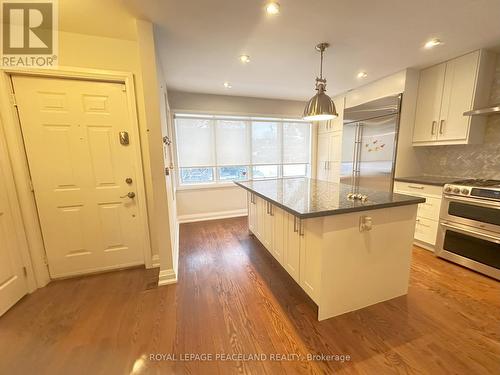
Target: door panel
column 268, row 228
column 292, row 248
column 430, row 91
column 279, row 233
column 323, row 153
column 348, row 147
column 376, row 160
column 459, row 84
column 78, row 166
column 12, row 280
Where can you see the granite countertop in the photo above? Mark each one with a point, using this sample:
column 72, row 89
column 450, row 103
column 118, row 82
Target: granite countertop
column 307, row 198
column 429, row 180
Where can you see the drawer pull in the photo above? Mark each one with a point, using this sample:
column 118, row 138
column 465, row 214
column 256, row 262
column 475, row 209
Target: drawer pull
column 416, row 187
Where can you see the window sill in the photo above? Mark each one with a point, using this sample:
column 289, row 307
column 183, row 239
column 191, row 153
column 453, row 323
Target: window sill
column 219, row 185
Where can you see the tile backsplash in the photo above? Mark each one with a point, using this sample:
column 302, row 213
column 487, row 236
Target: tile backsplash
column 477, row 161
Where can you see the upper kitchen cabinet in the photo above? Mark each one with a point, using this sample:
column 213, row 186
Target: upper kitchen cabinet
column 337, row 123
column 445, row 92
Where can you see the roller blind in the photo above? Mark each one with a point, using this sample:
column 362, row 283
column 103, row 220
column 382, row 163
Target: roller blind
column 266, row 143
column 195, row 140
column 232, row 142
column 296, row 141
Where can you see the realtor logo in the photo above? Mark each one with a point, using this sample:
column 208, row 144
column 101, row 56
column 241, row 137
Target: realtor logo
column 29, row 33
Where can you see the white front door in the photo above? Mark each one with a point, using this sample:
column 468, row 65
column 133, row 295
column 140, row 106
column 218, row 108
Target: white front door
column 12, row 279
column 82, row 172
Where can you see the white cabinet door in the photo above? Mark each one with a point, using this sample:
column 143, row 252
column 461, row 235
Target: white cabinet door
column 252, row 213
column 338, row 123
column 260, row 213
column 279, row 233
column 430, row 93
column 268, row 228
column 323, row 155
column 292, row 248
column 323, row 126
column 12, row 280
column 459, row 84
column 310, row 235
column 334, row 156
column 426, row 230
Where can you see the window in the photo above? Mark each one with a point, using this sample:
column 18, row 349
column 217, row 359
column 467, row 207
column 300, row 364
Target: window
column 214, row 149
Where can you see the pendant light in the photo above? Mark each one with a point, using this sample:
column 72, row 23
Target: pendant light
column 320, row 107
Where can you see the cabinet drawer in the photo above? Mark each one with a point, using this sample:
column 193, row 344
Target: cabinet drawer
column 417, row 189
column 426, row 230
column 430, row 208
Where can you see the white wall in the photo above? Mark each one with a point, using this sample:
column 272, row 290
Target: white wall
column 206, row 203
column 138, row 57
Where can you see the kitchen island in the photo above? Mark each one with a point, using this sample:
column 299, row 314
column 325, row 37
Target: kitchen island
column 346, row 251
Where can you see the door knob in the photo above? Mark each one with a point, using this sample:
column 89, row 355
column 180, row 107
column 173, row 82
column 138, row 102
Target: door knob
column 130, row 195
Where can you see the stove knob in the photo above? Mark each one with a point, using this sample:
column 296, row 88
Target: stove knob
column 465, row 191
column 447, row 189
column 456, row 190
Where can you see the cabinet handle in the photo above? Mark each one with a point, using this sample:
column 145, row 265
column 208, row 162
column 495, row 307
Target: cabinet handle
column 295, row 224
column 441, row 123
column 271, row 209
column 416, row 187
column 433, row 129
column 301, row 228
column 267, row 208
column 325, row 165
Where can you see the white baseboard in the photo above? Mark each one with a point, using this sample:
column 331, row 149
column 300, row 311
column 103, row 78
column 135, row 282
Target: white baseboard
column 212, row 216
column 167, row 277
column 155, row 261
column 424, row 245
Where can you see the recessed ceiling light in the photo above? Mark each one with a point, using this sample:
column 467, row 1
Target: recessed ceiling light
column 362, row 75
column 272, row 8
column 227, row 85
column 245, row 59
column 432, row 43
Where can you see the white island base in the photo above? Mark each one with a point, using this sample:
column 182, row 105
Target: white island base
column 340, row 267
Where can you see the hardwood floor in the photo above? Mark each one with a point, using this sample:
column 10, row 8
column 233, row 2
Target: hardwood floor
column 233, row 297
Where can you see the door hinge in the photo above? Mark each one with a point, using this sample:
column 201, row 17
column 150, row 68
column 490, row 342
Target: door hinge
column 13, row 99
column 25, row 272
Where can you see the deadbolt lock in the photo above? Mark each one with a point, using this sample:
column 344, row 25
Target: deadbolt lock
column 128, row 180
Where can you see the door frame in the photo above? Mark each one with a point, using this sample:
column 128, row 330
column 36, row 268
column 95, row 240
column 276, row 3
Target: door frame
column 20, row 166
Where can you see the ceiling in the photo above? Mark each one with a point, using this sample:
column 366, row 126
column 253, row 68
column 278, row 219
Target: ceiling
column 200, row 41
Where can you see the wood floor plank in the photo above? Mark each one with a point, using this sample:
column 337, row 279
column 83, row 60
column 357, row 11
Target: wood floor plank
column 234, row 298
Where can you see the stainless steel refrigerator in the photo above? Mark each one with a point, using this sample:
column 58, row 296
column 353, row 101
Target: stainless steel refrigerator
column 369, row 141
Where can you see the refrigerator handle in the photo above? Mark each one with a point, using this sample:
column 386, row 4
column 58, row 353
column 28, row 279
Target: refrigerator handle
column 354, row 153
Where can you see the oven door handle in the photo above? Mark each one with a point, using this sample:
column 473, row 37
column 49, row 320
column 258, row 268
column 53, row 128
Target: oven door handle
column 472, row 201
column 483, row 236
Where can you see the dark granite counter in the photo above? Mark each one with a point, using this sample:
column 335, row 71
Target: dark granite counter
column 429, row 180
column 307, row 198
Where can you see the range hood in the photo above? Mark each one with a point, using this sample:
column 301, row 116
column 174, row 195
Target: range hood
column 495, row 109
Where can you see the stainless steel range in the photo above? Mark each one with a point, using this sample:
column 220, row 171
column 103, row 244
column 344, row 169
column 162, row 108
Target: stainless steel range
column 469, row 225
